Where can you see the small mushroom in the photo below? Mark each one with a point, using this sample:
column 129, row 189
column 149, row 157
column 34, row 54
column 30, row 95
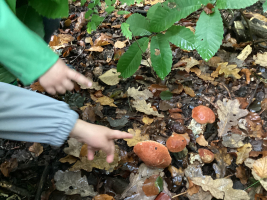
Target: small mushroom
column 153, row 154
column 176, row 143
column 203, row 115
column 206, row 155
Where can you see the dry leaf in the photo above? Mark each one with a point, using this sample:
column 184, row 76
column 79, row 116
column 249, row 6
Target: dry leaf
column 104, row 101
column 192, row 188
column 202, row 141
column 120, row 44
column 190, row 62
column 137, row 137
column 214, row 61
column 142, row 106
column 228, row 113
column 7, row 166
column 81, row 21
column 261, row 59
column 233, row 140
column 70, row 159
column 37, row 86
column 147, row 121
column 99, row 162
column 74, row 148
column 139, row 95
column 103, row 197
column 220, row 188
column 89, row 40
column 253, row 124
column 196, row 70
column 189, row 91
column 241, row 174
column 36, row 148
column 60, row 41
column 116, row 26
column 260, row 167
column 111, row 77
column 215, row 74
column 201, row 195
column 103, row 40
column 245, row 53
column 229, row 70
column 95, row 48
column 243, row 153
column 153, row 2
column 247, row 73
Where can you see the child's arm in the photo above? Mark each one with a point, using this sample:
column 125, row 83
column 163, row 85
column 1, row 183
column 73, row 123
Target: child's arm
column 33, row 117
column 28, row 57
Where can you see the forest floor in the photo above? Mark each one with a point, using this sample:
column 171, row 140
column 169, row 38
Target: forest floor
column 233, row 86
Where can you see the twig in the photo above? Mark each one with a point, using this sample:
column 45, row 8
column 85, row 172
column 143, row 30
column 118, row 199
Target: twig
column 227, row 90
column 14, row 189
column 41, row 183
column 250, row 32
column 179, row 194
column 77, row 56
column 254, row 93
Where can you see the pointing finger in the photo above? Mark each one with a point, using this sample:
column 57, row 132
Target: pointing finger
column 79, row 78
column 119, row 135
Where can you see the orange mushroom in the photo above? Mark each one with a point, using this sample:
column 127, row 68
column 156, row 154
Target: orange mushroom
column 203, row 115
column 153, row 154
column 176, row 143
column 206, row 155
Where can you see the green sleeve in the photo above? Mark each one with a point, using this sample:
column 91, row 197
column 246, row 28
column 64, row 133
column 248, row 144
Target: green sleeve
column 22, row 52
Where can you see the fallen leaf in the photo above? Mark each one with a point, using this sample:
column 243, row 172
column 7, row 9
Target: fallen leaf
column 89, row 40
column 178, row 90
column 137, row 137
column 95, row 48
column 192, row 188
column 189, row 91
column 202, row 141
column 153, row 185
column 88, row 114
column 245, row 53
column 214, row 61
column 233, row 140
column 253, row 125
column 69, row 158
column 103, row 197
column 74, row 148
column 190, row 62
column 120, row 44
column 111, row 77
column 81, row 21
column 228, row 113
column 146, row 120
column 60, row 41
column 216, row 73
column 153, row 2
column 247, row 73
column 99, row 162
column 139, row 95
column 117, row 122
column 116, row 26
column 261, row 59
column 243, row 153
column 37, row 86
column 103, row 40
column 67, row 23
column 201, row 195
column 37, row 149
column 229, row 70
column 104, row 101
column 260, row 167
column 176, row 174
column 264, row 104
column 7, row 166
column 118, row 53
column 241, row 174
column 142, row 106
column 196, row 70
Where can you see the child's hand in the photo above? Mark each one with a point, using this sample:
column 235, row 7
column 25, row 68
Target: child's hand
column 59, row 78
column 97, row 138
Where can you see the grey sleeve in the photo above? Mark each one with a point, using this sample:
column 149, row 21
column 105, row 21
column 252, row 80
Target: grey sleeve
column 33, row 117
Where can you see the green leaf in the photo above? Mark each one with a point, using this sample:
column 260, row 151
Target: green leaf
column 83, row 2
column 109, row 2
column 165, row 95
column 181, row 37
column 131, row 59
column 91, row 5
column 95, row 21
column 209, row 34
column 51, row 8
column 88, row 14
column 165, row 16
column 12, row 5
column 234, row 4
column 128, row 2
column 126, row 31
column 138, row 25
column 122, row 12
column 6, row 76
column 110, row 9
column 31, row 19
column 152, row 10
column 161, row 55
column 264, row 6
column 139, row 1
column 159, row 183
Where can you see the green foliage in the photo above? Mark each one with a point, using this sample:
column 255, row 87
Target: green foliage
column 165, row 95
column 122, row 12
column 126, row 31
column 6, row 76
column 181, row 37
column 130, row 60
column 234, row 4
column 51, row 8
column 159, row 183
column 138, row 25
column 161, row 55
column 94, row 23
column 264, row 6
column 128, row 2
column 110, row 9
column 12, row 5
column 209, row 34
column 31, row 19
column 83, row 2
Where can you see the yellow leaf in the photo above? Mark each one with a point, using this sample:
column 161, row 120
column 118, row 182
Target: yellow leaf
column 95, row 48
column 260, row 167
column 105, row 101
column 120, row 44
column 146, row 120
column 111, row 77
column 229, row 70
column 243, row 153
column 142, row 106
column 137, row 137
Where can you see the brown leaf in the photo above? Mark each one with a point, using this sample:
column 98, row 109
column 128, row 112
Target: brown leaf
column 243, row 153
column 179, row 89
column 189, row 91
column 241, row 174
column 254, row 125
column 37, row 86
column 103, row 40
column 81, row 21
column 190, row 62
column 137, row 137
column 157, row 89
column 243, row 102
column 120, row 44
column 245, row 53
column 192, row 188
column 67, row 23
column 110, row 77
column 70, row 159
column 36, row 148
column 146, row 120
column 7, row 166
column 208, row 9
column 95, row 48
column 202, row 141
column 116, row 26
column 89, row 114
column 196, row 70
column 215, row 74
column 213, row 62
column 247, row 73
column 89, row 40
column 118, row 53
column 229, row 70
column 264, row 104
column 260, row 167
column 149, row 187
column 104, row 101
column 103, row 197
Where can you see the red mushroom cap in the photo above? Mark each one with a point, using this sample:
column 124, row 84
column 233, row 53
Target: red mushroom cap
column 176, row 143
column 203, row 115
column 206, row 155
column 153, row 154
